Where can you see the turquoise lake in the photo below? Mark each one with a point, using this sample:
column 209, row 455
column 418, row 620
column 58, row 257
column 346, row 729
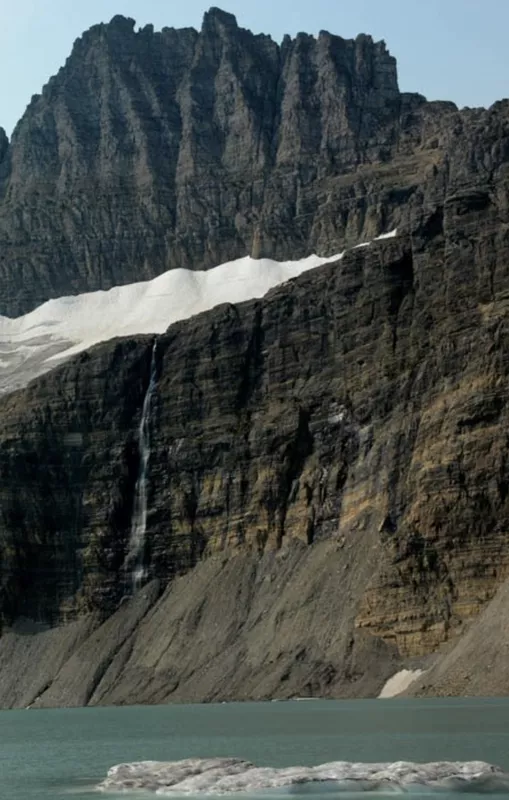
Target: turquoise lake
column 45, row 755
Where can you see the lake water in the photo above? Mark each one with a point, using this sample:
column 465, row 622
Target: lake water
column 45, row 755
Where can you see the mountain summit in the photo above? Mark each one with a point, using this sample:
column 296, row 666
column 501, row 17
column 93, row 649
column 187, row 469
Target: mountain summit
column 154, row 150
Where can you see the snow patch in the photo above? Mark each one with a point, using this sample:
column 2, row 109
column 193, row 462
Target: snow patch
column 400, row 682
column 335, row 419
column 58, row 329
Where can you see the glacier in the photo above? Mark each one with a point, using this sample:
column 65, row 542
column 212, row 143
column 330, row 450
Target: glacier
column 43, row 339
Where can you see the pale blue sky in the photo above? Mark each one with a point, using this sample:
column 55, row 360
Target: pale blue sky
column 446, row 49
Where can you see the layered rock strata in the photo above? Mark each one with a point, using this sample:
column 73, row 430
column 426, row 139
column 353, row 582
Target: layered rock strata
column 327, row 488
column 351, row 422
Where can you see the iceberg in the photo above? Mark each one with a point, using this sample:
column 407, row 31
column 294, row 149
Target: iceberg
column 221, row 776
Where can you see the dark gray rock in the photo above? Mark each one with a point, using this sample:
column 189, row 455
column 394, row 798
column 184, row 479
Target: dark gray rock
column 328, row 481
column 4, row 144
column 180, row 148
column 353, row 422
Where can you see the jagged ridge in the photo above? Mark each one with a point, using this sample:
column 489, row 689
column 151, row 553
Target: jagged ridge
column 153, row 150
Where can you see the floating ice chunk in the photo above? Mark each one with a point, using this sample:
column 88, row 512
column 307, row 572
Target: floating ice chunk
column 220, row 776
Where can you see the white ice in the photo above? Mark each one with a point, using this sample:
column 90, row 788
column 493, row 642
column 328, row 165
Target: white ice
column 399, row 682
column 219, row 776
column 41, row 340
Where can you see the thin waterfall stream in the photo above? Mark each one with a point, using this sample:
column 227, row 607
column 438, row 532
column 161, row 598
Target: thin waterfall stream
column 134, row 560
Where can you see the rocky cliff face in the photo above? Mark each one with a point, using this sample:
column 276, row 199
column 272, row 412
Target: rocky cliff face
column 342, row 439
column 150, row 151
column 327, row 488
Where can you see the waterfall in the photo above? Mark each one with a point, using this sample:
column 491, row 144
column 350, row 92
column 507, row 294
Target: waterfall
column 134, row 560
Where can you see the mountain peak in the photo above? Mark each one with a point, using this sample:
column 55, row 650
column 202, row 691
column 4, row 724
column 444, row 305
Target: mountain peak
column 121, row 23
column 216, row 16
column 195, row 120
column 4, row 144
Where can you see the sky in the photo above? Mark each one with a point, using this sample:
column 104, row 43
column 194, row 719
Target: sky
column 446, row 49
